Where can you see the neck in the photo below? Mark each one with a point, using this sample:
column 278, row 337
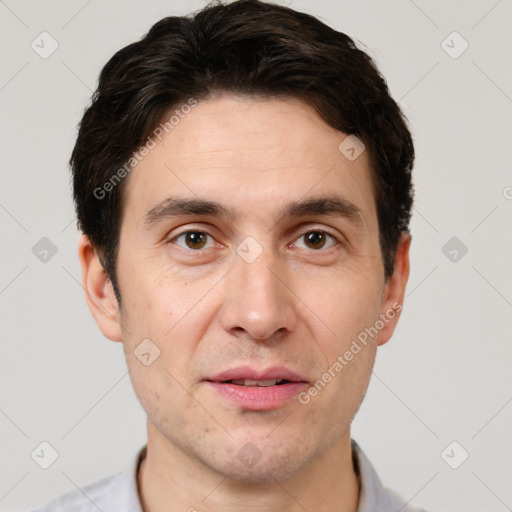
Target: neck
column 170, row 480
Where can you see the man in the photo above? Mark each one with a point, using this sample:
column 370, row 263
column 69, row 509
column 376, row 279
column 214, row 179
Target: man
column 242, row 180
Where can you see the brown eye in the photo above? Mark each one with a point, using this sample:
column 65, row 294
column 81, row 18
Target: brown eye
column 193, row 239
column 317, row 239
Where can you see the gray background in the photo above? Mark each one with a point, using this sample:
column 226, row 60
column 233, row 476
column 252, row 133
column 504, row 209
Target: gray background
column 444, row 377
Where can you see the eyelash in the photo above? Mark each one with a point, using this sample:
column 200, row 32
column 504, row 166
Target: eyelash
column 327, row 233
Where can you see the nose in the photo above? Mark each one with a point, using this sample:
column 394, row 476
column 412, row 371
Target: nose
column 258, row 301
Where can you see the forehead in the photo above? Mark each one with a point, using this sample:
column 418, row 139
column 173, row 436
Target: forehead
column 253, row 154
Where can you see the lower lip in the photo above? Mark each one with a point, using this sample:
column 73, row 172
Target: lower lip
column 258, row 398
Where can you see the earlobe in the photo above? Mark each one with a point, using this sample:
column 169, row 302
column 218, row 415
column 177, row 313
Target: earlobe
column 394, row 291
column 98, row 290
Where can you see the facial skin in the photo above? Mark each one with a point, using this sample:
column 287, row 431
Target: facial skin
column 298, row 305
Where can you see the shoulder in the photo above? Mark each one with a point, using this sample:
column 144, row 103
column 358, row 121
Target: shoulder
column 396, row 502
column 113, row 493
column 89, row 498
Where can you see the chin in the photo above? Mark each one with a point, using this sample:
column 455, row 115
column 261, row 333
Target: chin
column 263, row 473
column 247, row 465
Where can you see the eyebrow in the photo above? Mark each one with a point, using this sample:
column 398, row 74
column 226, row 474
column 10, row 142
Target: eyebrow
column 330, row 205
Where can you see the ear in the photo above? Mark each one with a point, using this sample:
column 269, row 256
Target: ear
column 393, row 296
column 99, row 292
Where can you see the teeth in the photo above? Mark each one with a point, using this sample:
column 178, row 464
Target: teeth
column 250, row 382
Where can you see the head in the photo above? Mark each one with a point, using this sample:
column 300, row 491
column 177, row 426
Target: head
column 226, row 125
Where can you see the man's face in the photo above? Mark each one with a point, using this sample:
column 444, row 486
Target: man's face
column 289, row 296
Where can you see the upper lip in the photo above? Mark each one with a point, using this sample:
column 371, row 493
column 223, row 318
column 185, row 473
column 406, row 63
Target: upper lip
column 247, row 372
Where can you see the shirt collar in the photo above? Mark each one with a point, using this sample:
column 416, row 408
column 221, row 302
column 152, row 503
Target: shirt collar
column 125, row 495
column 372, row 494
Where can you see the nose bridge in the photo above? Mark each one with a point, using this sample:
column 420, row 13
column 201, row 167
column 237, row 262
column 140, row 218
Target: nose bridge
column 257, row 301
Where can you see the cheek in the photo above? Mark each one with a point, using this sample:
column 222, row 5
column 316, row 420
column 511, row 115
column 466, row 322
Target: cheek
column 162, row 397
column 161, row 335
column 159, row 376
column 155, row 302
column 341, row 305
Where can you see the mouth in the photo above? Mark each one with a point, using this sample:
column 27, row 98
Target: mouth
column 249, row 376
column 262, row 383
column 257, row 391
